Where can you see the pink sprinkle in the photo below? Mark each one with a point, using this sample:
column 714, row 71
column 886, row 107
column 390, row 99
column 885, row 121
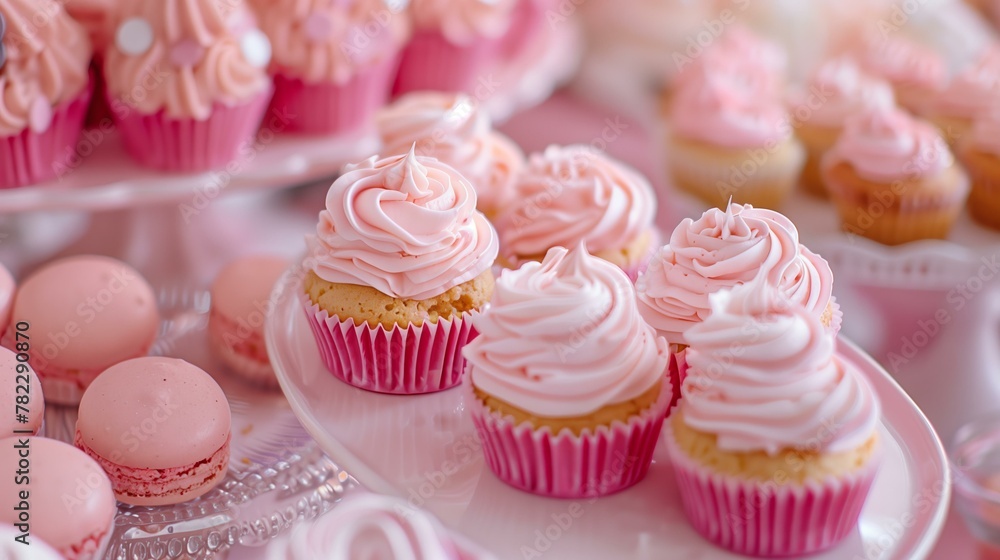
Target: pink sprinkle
column 186, row 52
column 318, row 27
column 40, row 115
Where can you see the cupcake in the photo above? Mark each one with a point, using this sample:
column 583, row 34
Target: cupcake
column 334, row 62
column 566, row 381
column 917, row 74
column 720, row 250
column 774, row 443
column 569, row 194
column 186, row 82
column 893, row 178
column 453, row 128
column 372, row 526
column 726, row 142
column 837, row 90
column 970, row 95
column 455, row 42
column 980, row 153
column 45, row 88
column 399, row 267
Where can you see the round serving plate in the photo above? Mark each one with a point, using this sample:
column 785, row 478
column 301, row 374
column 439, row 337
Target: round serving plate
column 277, row 474
column 107, row 179
column 424, row 449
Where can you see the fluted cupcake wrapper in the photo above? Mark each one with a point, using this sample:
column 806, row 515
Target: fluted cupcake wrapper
column 432, row 62
column 400, row 361
column 328, row 108
column 769, row 520
column 189, row 145
column 31, row 157
column 565, row 465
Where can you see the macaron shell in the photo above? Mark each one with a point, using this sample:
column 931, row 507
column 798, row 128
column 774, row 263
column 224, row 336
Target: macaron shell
column 7, row 288
column 155, row 413
column 70, row 497
column 87, row 312
column 243, row 288
column 9, row 392
column 13, row 550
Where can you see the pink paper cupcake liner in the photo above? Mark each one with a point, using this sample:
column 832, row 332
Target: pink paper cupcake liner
column 408, row 361
column 30, row 158
column 328, row 108
column 769, row 520
column 190, row 145
column 431, row 62
column 598, row 463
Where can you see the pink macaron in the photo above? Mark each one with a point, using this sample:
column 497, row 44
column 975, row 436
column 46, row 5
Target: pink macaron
column 241, row 300
column 57, row 494
column 159, row 427
column 7, row 287
column 83, row 314
column 36, row 549
column 21, row 397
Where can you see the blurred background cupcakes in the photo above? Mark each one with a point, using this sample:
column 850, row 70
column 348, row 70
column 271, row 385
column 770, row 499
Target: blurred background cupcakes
column 569, row 194
column 836, row 90
column 334, row 62
column 399, row 267
column 980, row 153
column 45, row 89
column 971, row 94
column 775, row 443
column 186, row 82
column 917, row 74
column 455, row 44
column 566, row 381
column 455, row 129
column 893, row 178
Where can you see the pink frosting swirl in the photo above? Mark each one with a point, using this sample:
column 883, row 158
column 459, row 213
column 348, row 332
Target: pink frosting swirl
column 563, row 338
column 903, row 62
column 808, row 281
column 463, row 21
column 331, row 40
column 837, row 90
column 207, row 31
column 720, row 250
column 889, row 144
column 96, row 17
column 48, row 58
column 368, row 526
column 573, row 193
column 404, row 225
column 712, row 109
column 985, row 135
column 973, row 92
column 454, row 129
column 748, row 62
column 762, row 376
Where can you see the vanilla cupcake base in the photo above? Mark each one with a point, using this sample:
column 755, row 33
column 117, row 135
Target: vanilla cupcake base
column 816, row 140
column 749, row 504
column 596, row 462
column 984, row 198
column 757, row 176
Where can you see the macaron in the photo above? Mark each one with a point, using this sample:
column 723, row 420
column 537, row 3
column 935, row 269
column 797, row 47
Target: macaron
column 33, row 549
column 82, row 315
column 160, row 428
column 241, row 300
column 7, row 287
column 21, row 400
column 56, row 494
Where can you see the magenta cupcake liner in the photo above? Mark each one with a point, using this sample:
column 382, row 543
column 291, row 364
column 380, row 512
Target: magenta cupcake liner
column 565, row 465
column 188, row 145
column 408, row 361
column 431, row 62
column 769, row 520
column 327, row 108
column 29, row 157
